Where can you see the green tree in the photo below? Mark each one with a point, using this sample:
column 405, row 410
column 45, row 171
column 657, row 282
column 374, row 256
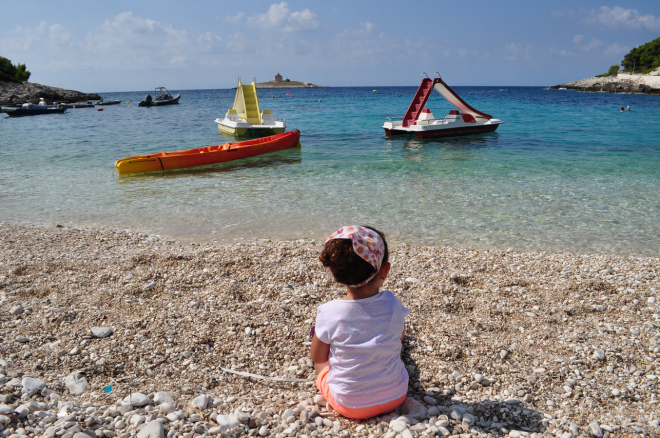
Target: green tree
column 21, row 73
column 613, row 71
column 644, row 58
column 11, row 72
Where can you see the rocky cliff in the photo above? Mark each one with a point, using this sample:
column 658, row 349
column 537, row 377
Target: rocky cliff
column 18, row 93
column 623, row 83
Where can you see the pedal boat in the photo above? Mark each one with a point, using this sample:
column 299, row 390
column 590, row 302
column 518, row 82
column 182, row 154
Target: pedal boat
column 245, row 118
column 421, row 123
column 163, row 161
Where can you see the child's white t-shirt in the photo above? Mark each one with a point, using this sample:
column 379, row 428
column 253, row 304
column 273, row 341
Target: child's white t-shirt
column 365, row 347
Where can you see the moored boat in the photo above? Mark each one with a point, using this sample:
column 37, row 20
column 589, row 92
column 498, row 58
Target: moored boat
column 163, row 161
column 108, row 102
column 163, row 97
column 421, row 123
column 245, row 118
column 78, row 105
column 29, row 109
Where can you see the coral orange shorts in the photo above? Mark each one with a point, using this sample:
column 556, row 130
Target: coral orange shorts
column 355, row 413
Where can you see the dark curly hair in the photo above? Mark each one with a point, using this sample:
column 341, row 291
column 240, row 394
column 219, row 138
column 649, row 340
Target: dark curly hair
column 346, row 266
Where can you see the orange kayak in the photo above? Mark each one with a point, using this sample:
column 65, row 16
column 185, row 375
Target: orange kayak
column 162, row 161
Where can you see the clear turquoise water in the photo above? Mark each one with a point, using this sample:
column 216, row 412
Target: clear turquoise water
column 566, row 172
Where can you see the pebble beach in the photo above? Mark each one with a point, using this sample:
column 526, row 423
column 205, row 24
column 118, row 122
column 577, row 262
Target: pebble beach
column 113, row 333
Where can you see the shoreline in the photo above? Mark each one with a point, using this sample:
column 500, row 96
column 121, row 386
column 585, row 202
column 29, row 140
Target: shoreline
column 24, row 92
column 562, row 342
column 623, row 83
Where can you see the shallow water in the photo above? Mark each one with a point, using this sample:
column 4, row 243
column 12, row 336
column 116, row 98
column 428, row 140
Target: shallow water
column 566, row 172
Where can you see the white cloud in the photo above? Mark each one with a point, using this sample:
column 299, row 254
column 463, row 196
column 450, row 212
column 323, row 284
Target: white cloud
column 517, row 51
column 124, row 42
column 560, row 52
column 620, row 18
column 127, row 31
column 279, row 16
column 364, row 29
column 599, row 47
column 58, row 34
column 616, row 50
column 303, row 20
column 593, row 45
column 211, row 38
column 44, row 36
column 236, row 19
column 134, row 42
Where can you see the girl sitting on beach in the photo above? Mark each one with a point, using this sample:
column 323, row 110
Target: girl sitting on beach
column 356, row 344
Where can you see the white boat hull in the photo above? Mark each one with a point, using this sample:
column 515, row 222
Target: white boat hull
column 241, row 128
column 441, row 128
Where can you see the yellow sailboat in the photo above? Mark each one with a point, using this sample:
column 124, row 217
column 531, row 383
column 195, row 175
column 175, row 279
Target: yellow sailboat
column 245, row 118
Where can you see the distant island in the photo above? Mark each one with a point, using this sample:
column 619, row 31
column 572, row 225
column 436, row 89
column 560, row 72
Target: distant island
column 279, row 82
column 640, row 74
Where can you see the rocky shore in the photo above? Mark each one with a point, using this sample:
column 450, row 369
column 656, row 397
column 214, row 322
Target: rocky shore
column 107, row 333
column 18, row 93
column 631, row 84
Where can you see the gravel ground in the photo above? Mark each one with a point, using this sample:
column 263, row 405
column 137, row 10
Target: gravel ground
column 111, row 333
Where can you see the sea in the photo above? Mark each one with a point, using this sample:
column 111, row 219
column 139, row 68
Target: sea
column 566, row 172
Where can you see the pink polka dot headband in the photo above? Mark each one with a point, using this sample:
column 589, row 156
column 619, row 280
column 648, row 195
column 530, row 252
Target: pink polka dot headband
column 367, row 243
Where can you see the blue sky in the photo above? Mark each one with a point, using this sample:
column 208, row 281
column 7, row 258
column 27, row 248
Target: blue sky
column 104, row 46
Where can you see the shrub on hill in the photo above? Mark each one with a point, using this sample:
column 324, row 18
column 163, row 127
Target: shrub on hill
column 613, row 71
column 12, row 73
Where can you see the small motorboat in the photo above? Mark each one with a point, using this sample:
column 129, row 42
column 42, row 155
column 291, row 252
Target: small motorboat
column 163, row 97
column 421, row 123
column 78, row 105
column 108, row 102
column 245, row 119
column 163, row 161
column 29, row 109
